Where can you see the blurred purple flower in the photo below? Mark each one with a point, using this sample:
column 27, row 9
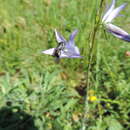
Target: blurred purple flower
column 118, row 32
column 112, row 13
column 65, row 49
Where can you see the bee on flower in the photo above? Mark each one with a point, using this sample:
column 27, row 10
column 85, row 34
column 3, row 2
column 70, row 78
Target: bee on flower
column 64, row 49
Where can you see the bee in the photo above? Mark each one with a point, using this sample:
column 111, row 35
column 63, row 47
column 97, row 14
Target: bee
column 57, row 52
column 58, row 49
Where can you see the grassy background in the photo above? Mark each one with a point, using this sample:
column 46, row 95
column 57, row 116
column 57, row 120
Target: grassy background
column 36, row 93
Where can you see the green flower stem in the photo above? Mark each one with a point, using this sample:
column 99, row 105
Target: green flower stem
column 90, row 58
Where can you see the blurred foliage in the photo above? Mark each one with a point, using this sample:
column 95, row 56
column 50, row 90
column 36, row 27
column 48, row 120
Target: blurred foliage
column 51, row 96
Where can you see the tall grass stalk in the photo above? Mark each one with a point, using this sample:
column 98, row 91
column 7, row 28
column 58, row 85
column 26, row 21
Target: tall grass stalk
column 90, row 59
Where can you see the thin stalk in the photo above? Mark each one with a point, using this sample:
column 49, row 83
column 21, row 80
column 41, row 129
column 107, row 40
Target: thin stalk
column 97, row 67
column 90, row 58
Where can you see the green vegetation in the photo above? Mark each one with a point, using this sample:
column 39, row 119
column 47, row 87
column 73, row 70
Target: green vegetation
column 36, row 93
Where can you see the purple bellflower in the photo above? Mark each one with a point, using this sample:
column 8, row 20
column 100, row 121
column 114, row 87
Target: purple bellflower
column 65, row 49
column 107, row 19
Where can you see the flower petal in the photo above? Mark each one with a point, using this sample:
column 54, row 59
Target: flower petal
column 126, row 38
column 49, row 51
column 73, row 56
column 118, row 32
column 77, row 50
column 76, row 56
column 109, row 11
column 59, row 37
column 71, row 52
column 115, row 13
column 116, row 29
column 72, row 36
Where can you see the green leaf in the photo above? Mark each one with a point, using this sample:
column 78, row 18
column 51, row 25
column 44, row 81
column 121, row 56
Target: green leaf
column 113, row 124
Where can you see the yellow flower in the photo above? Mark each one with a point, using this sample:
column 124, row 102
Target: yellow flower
column 92, row 98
